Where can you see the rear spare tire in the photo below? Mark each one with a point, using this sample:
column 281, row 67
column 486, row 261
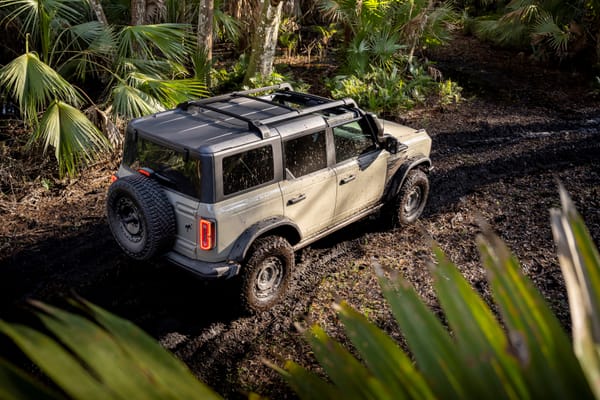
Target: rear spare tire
column 140, row 216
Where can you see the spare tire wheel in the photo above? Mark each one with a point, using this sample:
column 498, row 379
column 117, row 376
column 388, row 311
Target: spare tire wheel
column 140, row 216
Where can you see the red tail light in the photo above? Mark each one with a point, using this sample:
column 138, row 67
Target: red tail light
column 144, row 172
column 207, row 234
column 113, row 178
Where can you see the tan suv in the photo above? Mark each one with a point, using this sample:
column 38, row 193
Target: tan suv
column 234, row 184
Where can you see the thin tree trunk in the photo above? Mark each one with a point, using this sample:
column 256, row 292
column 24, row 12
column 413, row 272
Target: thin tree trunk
column 264, row 42
column 99, row 11
column 205, row 27
column 138, row 12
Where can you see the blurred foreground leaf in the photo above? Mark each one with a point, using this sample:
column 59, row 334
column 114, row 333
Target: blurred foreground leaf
column 525, row 354
column 93, row 354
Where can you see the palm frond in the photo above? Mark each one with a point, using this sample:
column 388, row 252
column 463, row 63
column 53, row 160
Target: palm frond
column 76, row 141
column 92, row 46
column 169, row 92
column 93, row 354
column 131, row 102
column 173, row 41
column 14, row 384
column 547, row 29
column 580, row 264
column 34, row 84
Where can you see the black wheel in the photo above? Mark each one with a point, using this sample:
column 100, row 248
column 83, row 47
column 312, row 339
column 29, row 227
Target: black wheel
column 266, row 273
column 412, row 197
column 140, row 216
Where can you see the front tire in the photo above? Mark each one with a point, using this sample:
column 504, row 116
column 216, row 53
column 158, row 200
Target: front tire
column 412, row 197
column 266, row 273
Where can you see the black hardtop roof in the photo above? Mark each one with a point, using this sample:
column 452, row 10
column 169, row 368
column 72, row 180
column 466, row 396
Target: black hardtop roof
column 221, row 122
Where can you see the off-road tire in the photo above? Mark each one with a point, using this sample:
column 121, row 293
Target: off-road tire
column 140, row 216
column 412, row 197
column 266, row 274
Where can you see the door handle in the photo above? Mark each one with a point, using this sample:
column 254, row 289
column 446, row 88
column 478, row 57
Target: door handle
column 347, row 179
column 297, row 199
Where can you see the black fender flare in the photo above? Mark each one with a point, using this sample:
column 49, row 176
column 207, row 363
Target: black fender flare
column 399, row 177
column 279, row 225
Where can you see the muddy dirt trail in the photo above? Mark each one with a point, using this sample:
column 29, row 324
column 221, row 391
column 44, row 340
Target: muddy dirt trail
column 497, row 156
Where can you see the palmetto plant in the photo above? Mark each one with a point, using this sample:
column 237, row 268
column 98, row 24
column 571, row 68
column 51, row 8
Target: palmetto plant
column 386, row 33
column 91, row 354
column 551, row 28
column 528, row 355
column 140, row 67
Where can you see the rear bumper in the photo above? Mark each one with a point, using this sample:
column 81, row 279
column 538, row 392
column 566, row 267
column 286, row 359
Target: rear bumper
column 207, row 270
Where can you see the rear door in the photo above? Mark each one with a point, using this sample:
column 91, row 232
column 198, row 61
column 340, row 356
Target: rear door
column 309, row 187
column 360, row 167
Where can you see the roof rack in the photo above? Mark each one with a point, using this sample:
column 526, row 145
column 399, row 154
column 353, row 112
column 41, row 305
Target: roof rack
column 260, row 125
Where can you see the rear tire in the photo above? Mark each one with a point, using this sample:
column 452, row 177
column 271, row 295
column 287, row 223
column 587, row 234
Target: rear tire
column 266, row 274
column 140, row 216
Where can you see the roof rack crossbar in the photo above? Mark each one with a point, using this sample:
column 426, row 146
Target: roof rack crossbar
column 266, row 101
column 244, row 93
column 308, row 110
column 306, row 96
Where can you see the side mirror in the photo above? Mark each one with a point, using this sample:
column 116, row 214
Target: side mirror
column 391, row 144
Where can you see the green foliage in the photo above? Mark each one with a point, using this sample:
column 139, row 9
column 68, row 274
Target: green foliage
column 553, row 29
column 389, row 92
column 386, row 34
column 141, row 67
column 526, row 355
column 75, row 139
column 92, row 354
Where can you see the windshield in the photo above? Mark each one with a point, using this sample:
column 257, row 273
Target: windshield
column 170, row 166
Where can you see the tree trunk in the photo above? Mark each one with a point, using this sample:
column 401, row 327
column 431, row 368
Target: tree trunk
column 264, row 42
column 99, row 11
column 205, row 27
column 138, row 12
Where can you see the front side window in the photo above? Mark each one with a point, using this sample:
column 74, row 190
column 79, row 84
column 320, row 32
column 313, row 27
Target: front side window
column 305, row 154
column 351, row 141
column 248, row 169
column 169, row 165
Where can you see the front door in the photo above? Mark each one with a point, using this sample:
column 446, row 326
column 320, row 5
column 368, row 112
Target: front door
column 360, row 168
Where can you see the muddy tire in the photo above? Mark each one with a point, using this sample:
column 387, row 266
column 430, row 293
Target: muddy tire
column 412, row 197
column 266, row 273
column 140, row 216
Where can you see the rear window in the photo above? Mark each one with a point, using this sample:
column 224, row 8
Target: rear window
column 305, row 154
column 248, row 169
column 170, row 166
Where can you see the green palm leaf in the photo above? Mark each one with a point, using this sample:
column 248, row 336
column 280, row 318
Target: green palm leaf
column 386, row 361
column 173, row 41
column 34, row 84
column 76, row 141
column 131, row 102
column 537, row 339
column 169, row 92
column 14, row 384
column 95, row 355
column 44, row 19
column 580, row 264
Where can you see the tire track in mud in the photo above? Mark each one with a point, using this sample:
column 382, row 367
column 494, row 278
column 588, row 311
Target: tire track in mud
column 216, row 350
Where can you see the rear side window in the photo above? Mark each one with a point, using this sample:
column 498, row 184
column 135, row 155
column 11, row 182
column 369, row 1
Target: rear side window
column 248, row 169
column 305, row 154
column 170, row 166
